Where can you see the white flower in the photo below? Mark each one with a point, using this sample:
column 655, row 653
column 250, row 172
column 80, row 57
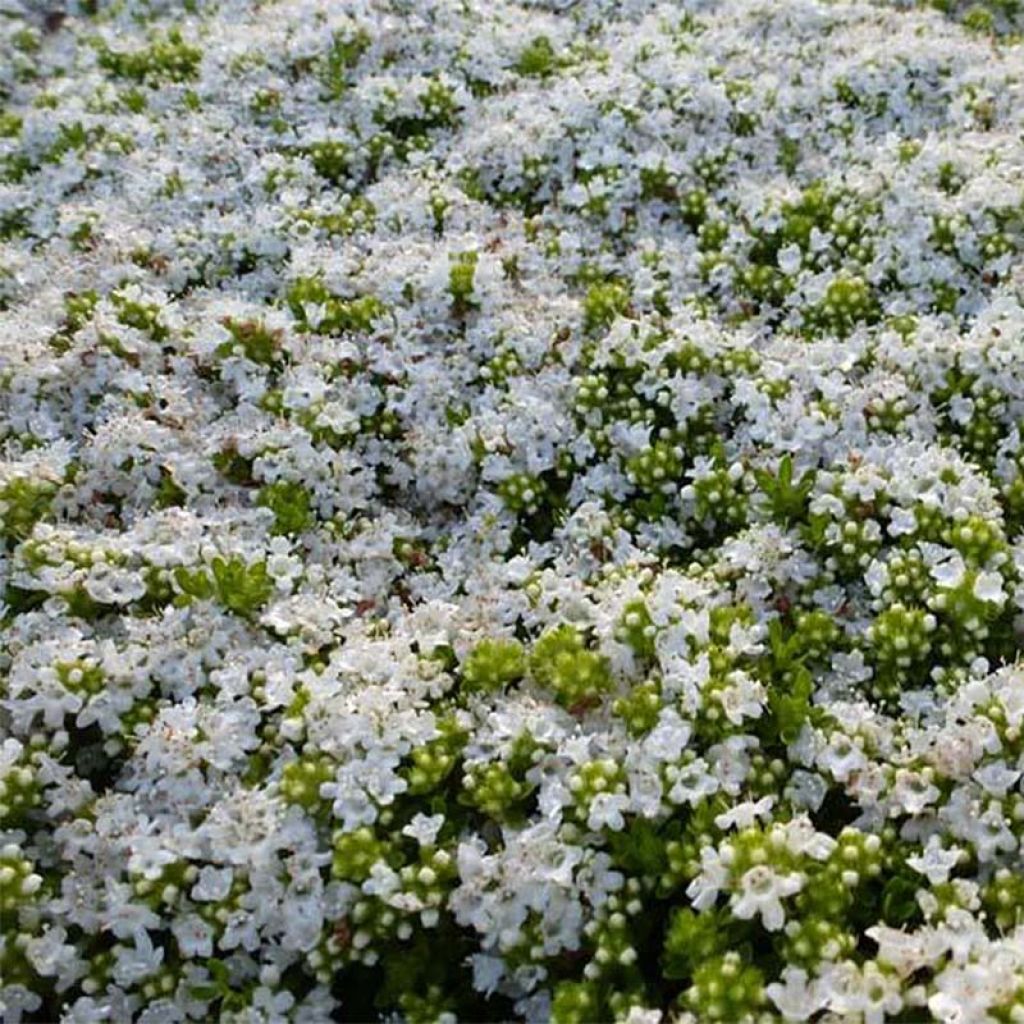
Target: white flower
column 989, row 587
column 790, row 258
column 965, row 992
column 950, row 572
column 742, row 698
column 213, row 884
column 713, row 877
column 139, row 961
column 996, row 778
column 797, row 998
column 936, row 862
column 193, row 935
column 606, row 810
column 488, row 971
column 643, row 1015
column 424, row 828
column 745, row 814
column 761, row 891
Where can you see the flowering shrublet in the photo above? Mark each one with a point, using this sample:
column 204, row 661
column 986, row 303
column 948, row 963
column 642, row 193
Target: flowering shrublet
column 511, row 512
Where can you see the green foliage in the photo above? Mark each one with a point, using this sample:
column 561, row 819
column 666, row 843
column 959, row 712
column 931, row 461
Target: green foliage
column 290, row 503
column 693, row 938
column 538, row 59
column 337, row 315
column 460, row 282
column 143, row 316
column 786, row 498
column 237, row 585
column 343, row 55
column 252, row 339
column 168, row 58
column 240, row 587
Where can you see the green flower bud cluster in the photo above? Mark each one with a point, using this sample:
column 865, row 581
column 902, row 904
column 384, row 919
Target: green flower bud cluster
column 560, row 662
column 24, row 501
column 888, row 415
column 352, row 214
column 429, row 880
column 608, row 395
column 21, row 890
column 356, row 852
column 808, row 940
column 603, row 305
column 979, row 422
column 724, row 989
column 434, row 761
column 849, row 300
column 657, row 469
column 161, row 984
column 907, row 580
column 858, row 859
column 218, row 913
column 522, row 493
column 1003, row 899
column 99, row 972
column 575, row 1002
column 165, row 888
column 82, row 676
column 373, row 923
column 143, row 316
column 636, row 629
column 301, row 780
column 19, row 883
column 505, row 365
column 720, row 496
column 495, row 789
column 431, row 1007
column 438, row 109
column 20, row 791
column 900, row 640
column 594, row 779
column 493, row 665
column 692, row 939
column 767, row 775
column 848, row 544
column 136, row 719
column 640, row 708
column 330, row 159
column 610, row 937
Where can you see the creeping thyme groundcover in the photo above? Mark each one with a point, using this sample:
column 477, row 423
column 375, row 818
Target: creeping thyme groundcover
column 511, row 511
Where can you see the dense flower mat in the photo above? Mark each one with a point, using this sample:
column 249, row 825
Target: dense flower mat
column 511, row 511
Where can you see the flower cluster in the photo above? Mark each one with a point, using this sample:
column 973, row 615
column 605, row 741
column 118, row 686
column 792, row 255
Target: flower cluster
column 511, row 511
